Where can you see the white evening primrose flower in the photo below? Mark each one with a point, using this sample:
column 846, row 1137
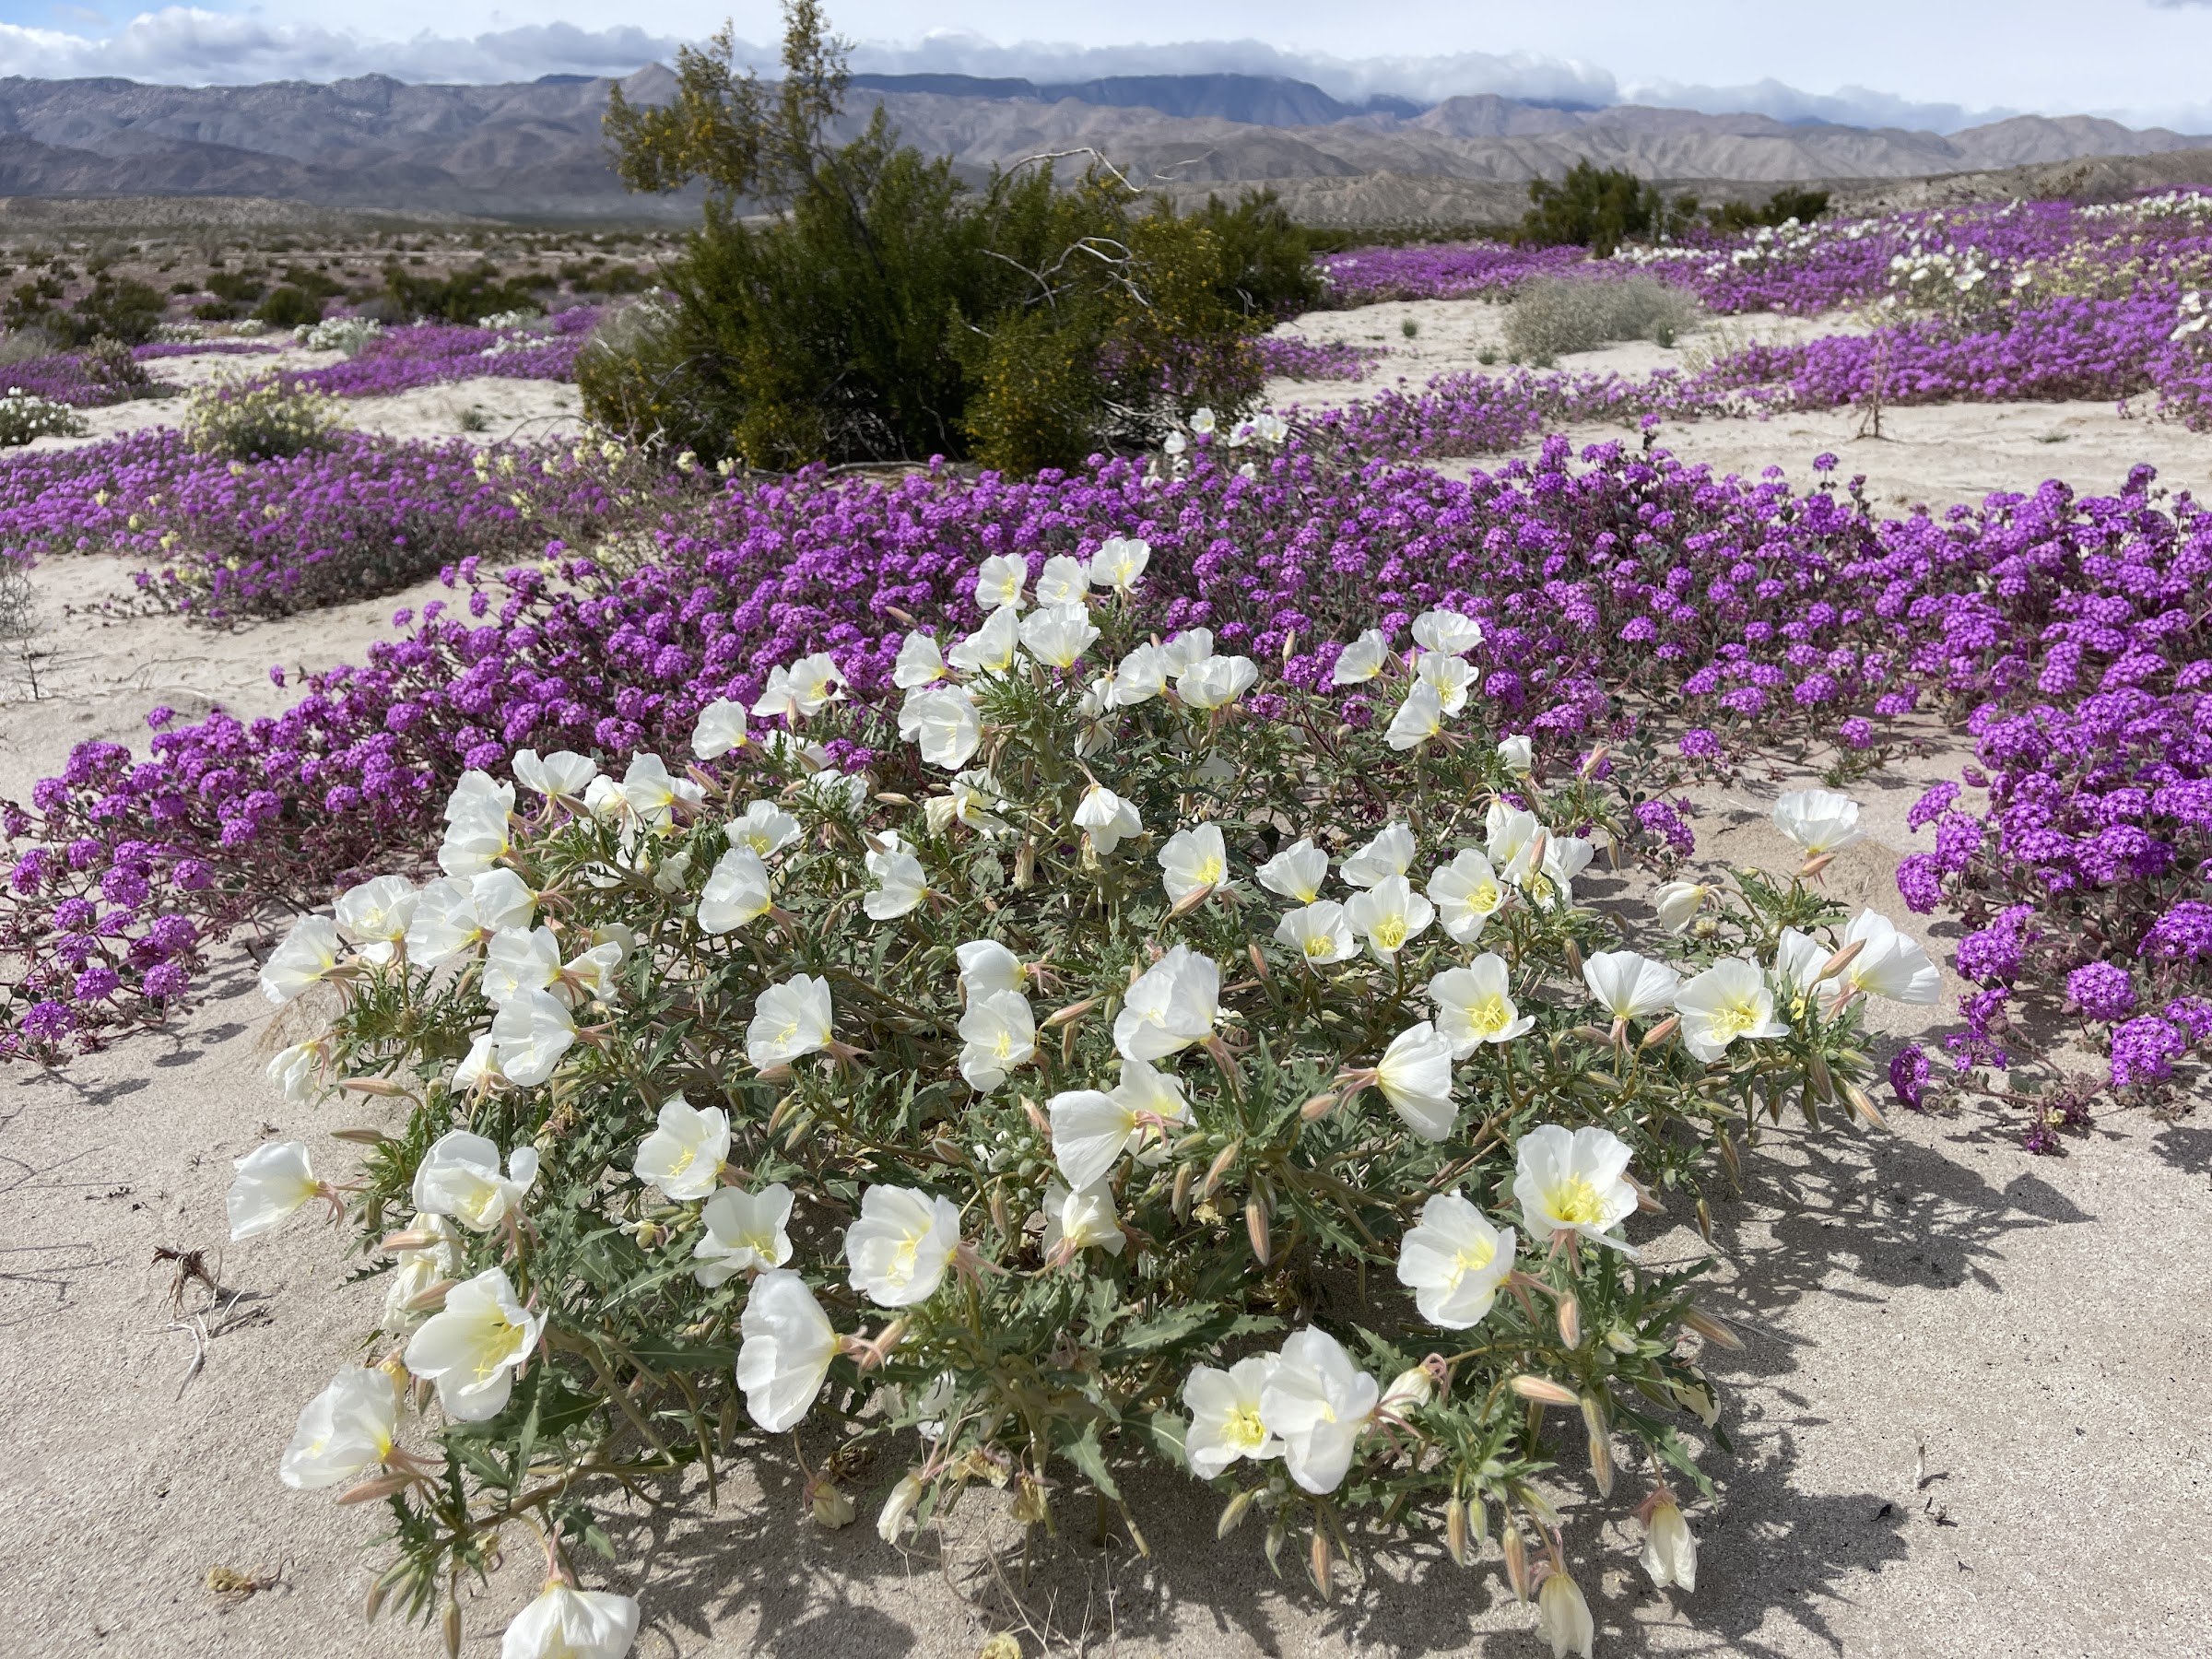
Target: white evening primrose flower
column 1091, row 1128
column 529, row 1035
column 476, row 791
column 736, row 892
column 986, row 966
column 1318, row 1403
column 1083, row 1219
column 273, row 1181
column 1154, row 1099
column 998, row 584
column 1729, row 1000
column 1058, row 635
column 1453, row 1261
column 1225, row 1415
column 375, row 915
column 1390, row 916
column 1193, row 860
column 1202, row 422
column 1670, row 1548
column 718, row 729
column 1889, row 964
column 790, row 1021
column 1508, row 833
column 563, row 775
column 1466, row 893
column 603, row 799
column 1548, row 879
column 1215, row 681
column 1629, row 986
column 1192, row 645
column 1415, row 1075
column 1297, row 872
column 919, row 663
column 294, row 1071
column 1475, row 1004
column 590, row 973
column 1571, row 1182
column 501, row 900
column 686, row 1151
column 1449, row 675
column 902, row 1244
column 763, row 827
column 784, row 1349
column 1565, row 1616
column 942, row 721
column 567, row 1623
column 1318, row 932
column 516, row 963
column 654, row 796
column 477, row 837
column 1172, row 1004
column 989, row 649
column 999, row 1033
column 1120, row 562
column 307, row 956
column 900, row 881
column 1447, row 632
column 1389, row 853
column 459, row 1177
column 1107, row 818
column 1517, row 754
column 742, row 1232
column 472, row 1348
column 816, row 683
column 347, row 1427
column 415, row 1271
column 1798, row 958
column 1141, row 677
column 480, row 1065
column 1678, row 904
column 1063, row 581
column 1419, row 718
column 906, row 1497
column 1820, row 820
column 1362, row 660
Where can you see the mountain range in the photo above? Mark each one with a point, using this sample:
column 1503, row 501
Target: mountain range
column 534, row 150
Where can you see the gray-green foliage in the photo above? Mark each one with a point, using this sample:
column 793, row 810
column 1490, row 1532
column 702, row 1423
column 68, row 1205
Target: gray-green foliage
column 1553, row 316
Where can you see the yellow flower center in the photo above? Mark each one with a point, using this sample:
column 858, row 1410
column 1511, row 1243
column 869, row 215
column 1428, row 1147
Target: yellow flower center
column 1484, row 899
column 1474, row 1257
column 1575, row 1200
column 1390, row 932
column 1490, row 1016
column 1208, row 873
column 684, row 1161
column 1732, row 1020
column 1319, row 944
column 1005, row 1045
column 1243, row 1430
column 902, row 1264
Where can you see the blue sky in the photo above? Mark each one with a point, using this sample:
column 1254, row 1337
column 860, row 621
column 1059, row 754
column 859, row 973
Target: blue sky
column 1914, row 62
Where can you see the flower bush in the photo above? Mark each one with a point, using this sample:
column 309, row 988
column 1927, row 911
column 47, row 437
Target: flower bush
column 1014, row 1079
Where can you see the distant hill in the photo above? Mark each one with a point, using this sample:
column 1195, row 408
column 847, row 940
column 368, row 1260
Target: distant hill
column 535, row 150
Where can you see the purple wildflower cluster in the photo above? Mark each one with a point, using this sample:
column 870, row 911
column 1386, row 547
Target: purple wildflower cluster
column 1440, row 270
column 1292, row 356
column 429, row 354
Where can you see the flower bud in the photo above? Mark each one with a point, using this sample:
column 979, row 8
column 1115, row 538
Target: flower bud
column 1256, row 1225
column 1711, row 1329
column 1069, row 1015
column 1601, row 1445
column 1414, row 1388
column 1219, row 1167
column 829, row 1504
column 1324, row 1564
column 1570, row 1321
column 1544, row 1390
column 1670, row 1548
column 901, row 1504
column 1259, row 963
column 1516, row 1558
column 1319, row 1107
column 1180, row 1202
column 1234, row 1511
column 1661, row 1033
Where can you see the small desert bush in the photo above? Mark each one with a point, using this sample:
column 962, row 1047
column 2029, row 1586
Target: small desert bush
column 1554, row 315
column 25, row 416
column 260, row 420
column 347, row 334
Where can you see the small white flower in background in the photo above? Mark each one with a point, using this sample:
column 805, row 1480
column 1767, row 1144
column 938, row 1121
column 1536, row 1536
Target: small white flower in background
column 814, row 682
column 906, row 1497
column 1447, row 632
column 1063, row 581
column 1202, row 422
column 1297, row 872
column 654, row 796
column 972, row 798
column 1318, row 1402
column 1889, row 964
column 1390, row 916
column 1678, row 904
column 1107, row 818
column 1172, row 1004
column 1192, row 859
column 1318, row 932
column 1629, row 986
column 1508, row 833
column 902, row 1244
column 1362, row 660
column 1798, row 958
column 479, row 1065
column 1466, row 893
column 998, row 584
column 375, row 915
column 477, row 793
column 415, row 1271
column 1173, row 445
column 1419, row 718
column 1670, row 1548
column 763, row 827
column 478, row 834
column 683, row 1155
column 986, row 966
column 1083, row 1219
column 1572, row 1181
column 459, row 1176
column 742, row 1232
column 473, row 1346
column 784, row 1349
column 1389, row 853
column 563, row 1623
column 294, row 1070
column 273, row 1181
column 499, row 899
column 307, row 956
column 718, row 729
column 1141, row 677
column 1518, row 756
column 529, row 1035
column 1448, row 675
column 900, row 883
column 347, row 1427
column 563, row 775
column 1151, row 1094
column 1226, row 1424
column 997, row 1034
column 1729, row 1000
column 1058, row 635
column 1549, row 882
column 603, row 799
column 790, row 1021
column 1215, row 681
column 919, row 663
column 1565, row 1616
column 1475, row 1004
column 591, row 973
column 1120, row 562
column 737, row 893
column 989, row 649
column 1820, row 820
column 515, row 963
column 1453, row 1261
column 1415, row 1075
